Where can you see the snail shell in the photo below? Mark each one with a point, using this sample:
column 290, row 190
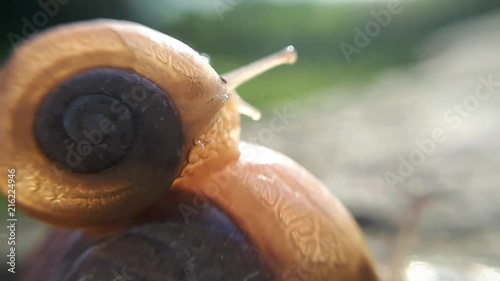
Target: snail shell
column 147, row 96
column 182, row 136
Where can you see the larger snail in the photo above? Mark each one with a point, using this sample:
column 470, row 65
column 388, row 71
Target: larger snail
column 129, row 140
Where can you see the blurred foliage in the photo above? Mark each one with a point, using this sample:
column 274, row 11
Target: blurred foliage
column 254, row 29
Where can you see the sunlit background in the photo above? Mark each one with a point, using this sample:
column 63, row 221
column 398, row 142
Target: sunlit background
column 373, row 83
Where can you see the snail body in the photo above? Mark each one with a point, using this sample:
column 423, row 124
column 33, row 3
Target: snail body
column 146, row 135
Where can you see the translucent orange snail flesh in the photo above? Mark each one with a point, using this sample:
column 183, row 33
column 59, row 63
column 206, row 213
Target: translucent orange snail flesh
column 130, row 141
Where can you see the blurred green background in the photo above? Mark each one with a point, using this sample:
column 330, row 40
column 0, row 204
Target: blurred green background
column 235, row 32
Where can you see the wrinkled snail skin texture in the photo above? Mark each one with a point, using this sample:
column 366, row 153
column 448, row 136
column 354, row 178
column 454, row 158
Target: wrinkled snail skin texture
column 301, row 230
column 233, row 210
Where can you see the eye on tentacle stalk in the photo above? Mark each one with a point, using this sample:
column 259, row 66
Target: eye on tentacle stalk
column 151, row 177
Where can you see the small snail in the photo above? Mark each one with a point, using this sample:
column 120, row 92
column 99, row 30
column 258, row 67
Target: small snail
column 129, row 140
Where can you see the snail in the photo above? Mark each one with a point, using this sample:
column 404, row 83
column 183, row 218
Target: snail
column 128, row 141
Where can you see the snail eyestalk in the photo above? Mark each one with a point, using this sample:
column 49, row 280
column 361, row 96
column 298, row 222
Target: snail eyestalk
column 241, row 75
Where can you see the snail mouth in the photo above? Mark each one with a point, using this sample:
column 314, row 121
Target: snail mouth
column 239, row 76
